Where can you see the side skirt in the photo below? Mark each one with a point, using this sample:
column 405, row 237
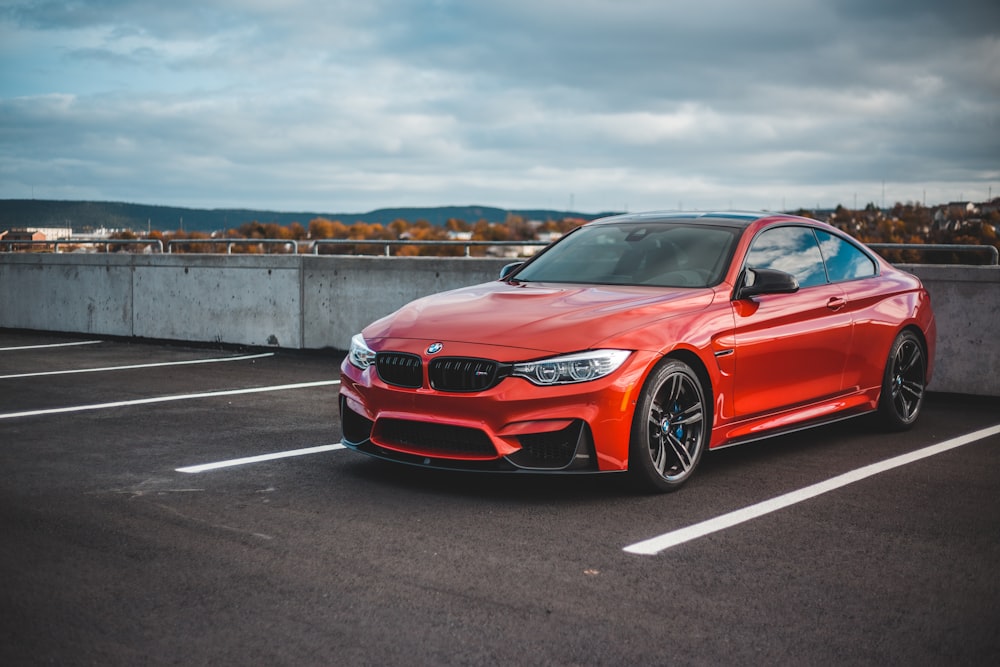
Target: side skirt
column 794, row 428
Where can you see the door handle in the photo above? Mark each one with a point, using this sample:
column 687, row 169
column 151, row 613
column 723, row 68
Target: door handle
column 836, row 303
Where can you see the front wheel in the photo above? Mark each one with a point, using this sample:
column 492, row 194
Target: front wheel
column 670, row 429
column 903, row 383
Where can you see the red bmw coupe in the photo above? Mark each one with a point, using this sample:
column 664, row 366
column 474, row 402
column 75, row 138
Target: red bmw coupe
column 637, row 341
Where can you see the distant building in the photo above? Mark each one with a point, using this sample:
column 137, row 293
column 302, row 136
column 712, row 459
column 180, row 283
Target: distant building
column 989, row 207
column 40, row 233
column 100, row 233
column 21, row 235
column 958, row 215
column 25, row 235
column 961, row 208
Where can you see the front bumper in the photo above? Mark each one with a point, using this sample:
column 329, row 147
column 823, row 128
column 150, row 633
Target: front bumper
column 513, row 426
column 441, row 446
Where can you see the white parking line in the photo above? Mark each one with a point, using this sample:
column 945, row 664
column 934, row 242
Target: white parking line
column 40, row 347
column 164, row 399
column 132, row 367
column 655, row 545
column 257, row 459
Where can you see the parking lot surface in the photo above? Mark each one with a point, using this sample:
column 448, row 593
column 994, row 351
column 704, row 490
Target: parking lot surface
column 163, row 504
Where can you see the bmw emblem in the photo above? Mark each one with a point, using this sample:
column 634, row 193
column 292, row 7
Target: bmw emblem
column 434, row 348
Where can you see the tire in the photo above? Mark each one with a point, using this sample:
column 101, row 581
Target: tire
column 903, row 383
column 670, row 429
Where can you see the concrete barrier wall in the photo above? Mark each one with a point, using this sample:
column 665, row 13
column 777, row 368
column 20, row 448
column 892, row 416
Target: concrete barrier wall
column 228, row 299
column 293, row 301
column 89, row 294
column 343, row 294
column 966, row 301
column 315, row 302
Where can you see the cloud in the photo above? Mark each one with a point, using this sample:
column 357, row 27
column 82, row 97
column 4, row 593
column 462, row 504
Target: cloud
column 346, row 106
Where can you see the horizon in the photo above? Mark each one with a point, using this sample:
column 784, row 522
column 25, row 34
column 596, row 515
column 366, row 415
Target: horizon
column 854, row 207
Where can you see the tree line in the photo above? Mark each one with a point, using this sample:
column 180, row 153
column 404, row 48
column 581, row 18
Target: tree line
column 902, row 224
column 916, row 224
column 514, row 228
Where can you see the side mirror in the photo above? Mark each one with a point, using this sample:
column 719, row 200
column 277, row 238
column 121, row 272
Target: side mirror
column 766, row 281
column 509, row 269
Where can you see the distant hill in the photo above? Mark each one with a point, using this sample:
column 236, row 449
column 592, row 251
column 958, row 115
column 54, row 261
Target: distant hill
column 85, row 216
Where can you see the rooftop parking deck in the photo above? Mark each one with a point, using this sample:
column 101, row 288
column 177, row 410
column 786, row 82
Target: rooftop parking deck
column 178, row 504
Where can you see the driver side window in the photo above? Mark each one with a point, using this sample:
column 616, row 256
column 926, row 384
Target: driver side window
column 793, row 250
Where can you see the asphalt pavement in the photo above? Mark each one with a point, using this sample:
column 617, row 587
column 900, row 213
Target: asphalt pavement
column 165, row 504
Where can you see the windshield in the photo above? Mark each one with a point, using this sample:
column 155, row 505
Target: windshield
column 655, row 254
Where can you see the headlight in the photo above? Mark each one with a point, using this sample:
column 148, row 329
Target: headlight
column 579, row 367
column 360, row 354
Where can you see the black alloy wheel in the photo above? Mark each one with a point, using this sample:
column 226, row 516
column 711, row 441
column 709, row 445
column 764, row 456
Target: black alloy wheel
column 903, row 383
column 670, row 429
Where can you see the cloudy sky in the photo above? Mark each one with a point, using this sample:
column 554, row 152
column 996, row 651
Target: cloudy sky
column 348, row 106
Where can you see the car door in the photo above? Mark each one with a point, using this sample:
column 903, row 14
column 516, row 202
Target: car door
column 856, row 272
column 792, row 348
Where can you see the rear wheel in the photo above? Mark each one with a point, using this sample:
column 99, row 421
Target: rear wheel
column 670, row 429
column 903, row 382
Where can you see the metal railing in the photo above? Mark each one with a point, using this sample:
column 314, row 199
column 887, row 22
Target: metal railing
column 992, row 254
column 13, row 244
column 989, row 252
column 229, row 243
column 293, row 246
column 388, row 245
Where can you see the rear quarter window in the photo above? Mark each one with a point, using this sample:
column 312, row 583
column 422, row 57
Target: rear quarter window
column 844, row 260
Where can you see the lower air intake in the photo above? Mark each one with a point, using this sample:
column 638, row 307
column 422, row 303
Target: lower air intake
column 570, row 448
column 434, row 440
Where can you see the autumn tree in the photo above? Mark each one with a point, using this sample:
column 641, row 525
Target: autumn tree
column 399, row 227
column 488, row 231
column 321, row 228
column 456, row 225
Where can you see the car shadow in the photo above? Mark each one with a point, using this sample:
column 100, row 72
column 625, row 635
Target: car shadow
column 819, row 451
column 528, row 488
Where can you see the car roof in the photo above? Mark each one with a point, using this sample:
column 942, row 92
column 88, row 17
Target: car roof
column 729, row 218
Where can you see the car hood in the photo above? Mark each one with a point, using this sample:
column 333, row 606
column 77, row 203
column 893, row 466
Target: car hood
column 543, row 317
